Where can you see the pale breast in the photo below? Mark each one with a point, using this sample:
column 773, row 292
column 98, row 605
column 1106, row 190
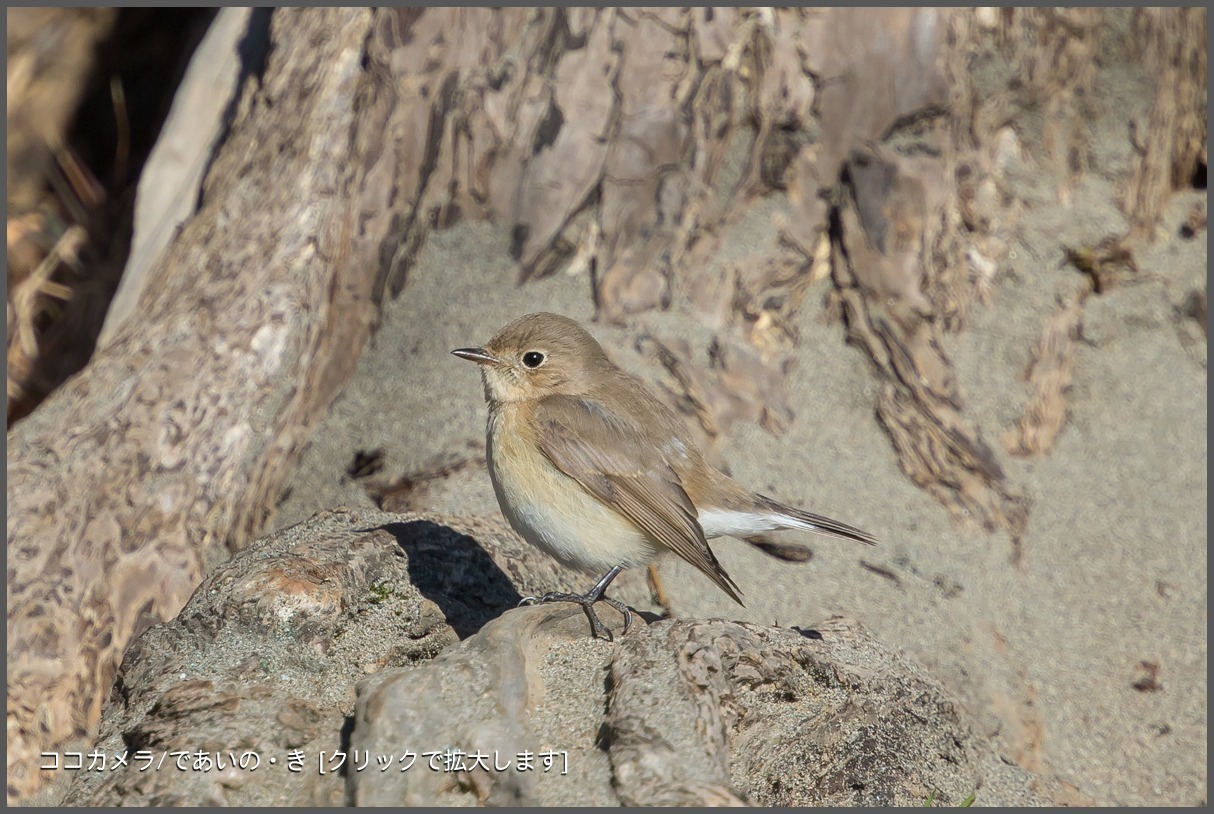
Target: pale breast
column 551, row 510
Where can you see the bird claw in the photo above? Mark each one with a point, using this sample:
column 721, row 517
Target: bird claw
column 622, row 608
column 587, row 600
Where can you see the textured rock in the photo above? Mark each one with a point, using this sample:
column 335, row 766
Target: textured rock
column 265, row 655
column 501, row 695
column 675, row 713
column 331, row 650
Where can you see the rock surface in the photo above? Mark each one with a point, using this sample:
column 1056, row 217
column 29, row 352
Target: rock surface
column 370, row 658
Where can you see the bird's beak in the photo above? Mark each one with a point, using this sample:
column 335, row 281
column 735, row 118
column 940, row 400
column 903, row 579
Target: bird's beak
column 478, row 355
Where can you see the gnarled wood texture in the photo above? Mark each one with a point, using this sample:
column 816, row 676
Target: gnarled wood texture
column 138, row 475
column 607, row 140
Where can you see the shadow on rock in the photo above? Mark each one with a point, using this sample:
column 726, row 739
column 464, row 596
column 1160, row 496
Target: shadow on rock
column 453, row 571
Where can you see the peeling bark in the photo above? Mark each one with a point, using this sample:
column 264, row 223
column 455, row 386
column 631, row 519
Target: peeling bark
column 141, row 473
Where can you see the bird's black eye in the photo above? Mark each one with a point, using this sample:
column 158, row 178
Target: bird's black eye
column 533, row 358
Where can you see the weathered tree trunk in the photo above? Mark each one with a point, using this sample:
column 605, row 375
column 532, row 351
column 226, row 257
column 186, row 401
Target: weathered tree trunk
column 134, row 479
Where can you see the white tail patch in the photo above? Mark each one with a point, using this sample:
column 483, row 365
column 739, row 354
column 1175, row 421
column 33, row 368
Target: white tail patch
column 722, row 522
column 734, row 523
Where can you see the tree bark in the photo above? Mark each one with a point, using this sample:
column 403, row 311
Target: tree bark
column 600, row 128
column 141, row 473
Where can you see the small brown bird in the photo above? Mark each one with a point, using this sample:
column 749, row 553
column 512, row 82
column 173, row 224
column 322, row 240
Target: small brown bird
column 591, row 468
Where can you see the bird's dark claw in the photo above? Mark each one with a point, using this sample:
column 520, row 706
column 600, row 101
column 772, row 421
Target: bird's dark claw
column 588, row 600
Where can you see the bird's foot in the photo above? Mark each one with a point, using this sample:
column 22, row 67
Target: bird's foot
column 588, row 600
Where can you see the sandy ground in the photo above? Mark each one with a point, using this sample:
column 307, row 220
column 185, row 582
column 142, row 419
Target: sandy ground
column 1043, row 655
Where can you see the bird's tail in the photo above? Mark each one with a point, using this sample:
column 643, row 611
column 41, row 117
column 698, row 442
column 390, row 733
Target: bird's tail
column 808, row 521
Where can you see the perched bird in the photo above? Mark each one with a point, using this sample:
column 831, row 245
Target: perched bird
column 591, row 468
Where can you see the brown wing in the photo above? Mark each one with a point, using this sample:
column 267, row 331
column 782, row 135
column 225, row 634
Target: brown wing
column 613, row 460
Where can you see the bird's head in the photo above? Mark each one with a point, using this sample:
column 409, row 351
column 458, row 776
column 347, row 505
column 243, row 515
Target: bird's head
column 535, row 356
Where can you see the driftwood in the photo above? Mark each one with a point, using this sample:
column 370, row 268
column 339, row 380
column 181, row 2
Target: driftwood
column 627, row 144
column 363, row 640
column 137, row 476
column 298, row 619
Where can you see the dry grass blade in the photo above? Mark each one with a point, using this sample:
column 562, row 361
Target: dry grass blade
column 30, row 299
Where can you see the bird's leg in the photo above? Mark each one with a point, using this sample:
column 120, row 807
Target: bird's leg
column 587, row 601
column 659, row 591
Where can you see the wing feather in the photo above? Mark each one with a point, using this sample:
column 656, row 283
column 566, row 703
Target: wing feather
column 612, row 459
